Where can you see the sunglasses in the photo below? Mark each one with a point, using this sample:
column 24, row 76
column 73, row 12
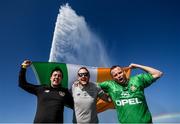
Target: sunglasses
column 83, row 74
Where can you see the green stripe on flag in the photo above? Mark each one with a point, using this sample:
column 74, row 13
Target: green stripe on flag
column 43, row 70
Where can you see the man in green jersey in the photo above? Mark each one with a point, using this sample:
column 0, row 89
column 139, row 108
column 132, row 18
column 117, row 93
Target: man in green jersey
column 128, row 94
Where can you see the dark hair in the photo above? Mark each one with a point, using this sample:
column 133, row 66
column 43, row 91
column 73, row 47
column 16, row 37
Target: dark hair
column 57, row 69
column 85, row 69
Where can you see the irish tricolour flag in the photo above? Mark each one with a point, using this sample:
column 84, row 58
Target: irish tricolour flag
column 42, row 72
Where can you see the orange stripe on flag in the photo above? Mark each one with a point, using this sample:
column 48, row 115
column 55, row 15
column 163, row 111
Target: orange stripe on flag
column 127, row 71
column 102, row 105
column 103, row 74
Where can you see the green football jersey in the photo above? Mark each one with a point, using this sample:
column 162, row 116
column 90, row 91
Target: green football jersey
column 129, row 101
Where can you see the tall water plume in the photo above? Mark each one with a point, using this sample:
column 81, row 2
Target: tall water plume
column 74, row 42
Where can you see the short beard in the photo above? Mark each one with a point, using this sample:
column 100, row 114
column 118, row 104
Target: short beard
column 84, row 82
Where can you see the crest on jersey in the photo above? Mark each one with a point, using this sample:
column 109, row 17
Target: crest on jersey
column 61, row 93
column 133, row 88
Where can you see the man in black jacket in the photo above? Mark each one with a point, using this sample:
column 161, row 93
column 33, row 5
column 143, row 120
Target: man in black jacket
column 51, row 99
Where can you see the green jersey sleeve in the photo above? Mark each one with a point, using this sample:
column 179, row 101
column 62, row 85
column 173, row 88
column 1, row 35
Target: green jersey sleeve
column 145, row 79
column 104, row 85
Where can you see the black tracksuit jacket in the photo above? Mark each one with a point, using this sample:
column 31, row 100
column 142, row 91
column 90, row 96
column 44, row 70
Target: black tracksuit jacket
column 51, row 101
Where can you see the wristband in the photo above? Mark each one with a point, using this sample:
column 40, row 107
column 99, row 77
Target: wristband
column 24, row 66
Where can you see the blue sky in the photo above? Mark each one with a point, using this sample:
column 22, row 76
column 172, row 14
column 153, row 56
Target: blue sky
column 143, row 32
